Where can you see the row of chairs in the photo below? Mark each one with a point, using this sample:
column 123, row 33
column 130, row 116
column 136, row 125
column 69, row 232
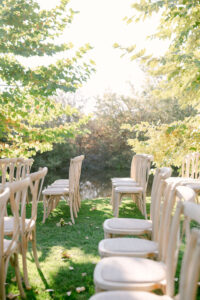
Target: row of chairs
column 16, row 230
column 136, row 184
column 66, row 188
column 124, row 269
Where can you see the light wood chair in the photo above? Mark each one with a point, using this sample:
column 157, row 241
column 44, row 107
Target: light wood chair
column 136, row 186
column 189, row 277
column 52, row 194
column 13, row 169
column 78, row 160
column 9, row 248
column 27, row 225
column 133, row 226
column 191, row 165
column 140, row 247
column 132, row 273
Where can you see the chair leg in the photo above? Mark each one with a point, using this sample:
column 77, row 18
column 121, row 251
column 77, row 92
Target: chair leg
column 24, row 247
column 44, row 205
column 107, row 235
column 34, row 247
column 2, row 280
column 18, row 276
column 112, row 196
column 116, row 201
column 71, row 211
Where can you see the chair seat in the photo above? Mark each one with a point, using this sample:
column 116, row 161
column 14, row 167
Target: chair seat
column 128, row 273
column 124, row 183
column 61, row 181
column 9, row 224
column 55, row 191
column 129, row 189
column 134, row 247
column 6, row 244
column 127, row 226
column 128, row 295
column 123, row 179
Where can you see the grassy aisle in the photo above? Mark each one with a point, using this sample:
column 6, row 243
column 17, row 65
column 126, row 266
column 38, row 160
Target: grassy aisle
column 68, row 254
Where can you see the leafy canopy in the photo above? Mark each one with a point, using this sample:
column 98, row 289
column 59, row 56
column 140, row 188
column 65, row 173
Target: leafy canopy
column 179, row 70
column 28, row 113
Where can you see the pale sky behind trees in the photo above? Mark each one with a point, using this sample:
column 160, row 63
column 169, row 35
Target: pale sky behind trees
column 100, row 23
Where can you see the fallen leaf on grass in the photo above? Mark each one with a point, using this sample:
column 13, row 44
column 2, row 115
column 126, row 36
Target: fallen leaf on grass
column 83, row 274
column 80, row 289
column 71, row 268
column 62, row 223
column 66, row 255
column 175, row 279
column 87, row 238
column 97, row 227
column 69, row 293
column 12, row 296
column 87, row 217
column 93, row 208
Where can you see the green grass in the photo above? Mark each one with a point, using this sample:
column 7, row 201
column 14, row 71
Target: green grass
column 79, row 242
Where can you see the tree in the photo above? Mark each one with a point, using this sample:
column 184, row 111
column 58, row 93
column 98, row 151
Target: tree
column 179, row 70
column 28, row 112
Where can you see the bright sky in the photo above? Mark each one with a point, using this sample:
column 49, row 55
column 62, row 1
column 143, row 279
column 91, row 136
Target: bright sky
column 100, row 23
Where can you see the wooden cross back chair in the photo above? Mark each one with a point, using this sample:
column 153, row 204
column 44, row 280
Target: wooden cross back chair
column 66, row 188
column 27, row 225
column 17, row 195
column 136, row 185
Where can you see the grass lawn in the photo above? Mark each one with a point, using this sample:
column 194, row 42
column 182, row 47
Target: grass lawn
column 68, row 254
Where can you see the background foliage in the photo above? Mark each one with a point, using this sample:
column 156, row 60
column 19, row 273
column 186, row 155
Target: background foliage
column 178, row 71
column 31, row 120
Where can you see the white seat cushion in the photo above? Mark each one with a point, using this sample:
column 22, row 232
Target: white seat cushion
column 128, row 272
column 129, row 189
column 61, row 181
column 6, row 244
column 128, row 295
column 127, row 226
column 124, row 183
column 55, row 191
column 127, row 247
column 9, row 224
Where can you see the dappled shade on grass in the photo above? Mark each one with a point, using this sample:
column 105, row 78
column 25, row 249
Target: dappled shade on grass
column 66, row 252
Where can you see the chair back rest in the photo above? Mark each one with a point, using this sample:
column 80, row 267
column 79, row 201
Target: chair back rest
column 18, row 194
column 7, row 167
column 75, row 172
column 190, row 268
column 191, row 211
column 191, row 165
column 4, row 196
column 172, row 194
column 156, row 198
column 36, row 185
column 13, row 169
column 140, row 167
column 23, row 167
